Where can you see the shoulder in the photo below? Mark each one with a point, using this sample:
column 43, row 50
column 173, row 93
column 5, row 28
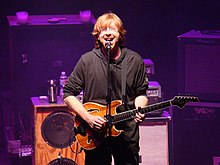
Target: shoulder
column 87, row 57
column 133, row 55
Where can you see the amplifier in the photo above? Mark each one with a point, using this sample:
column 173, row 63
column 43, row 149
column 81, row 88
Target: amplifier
column 195, row 133
column 154, row 141
column 154, row 89
column 198, row 64
column 154, row 92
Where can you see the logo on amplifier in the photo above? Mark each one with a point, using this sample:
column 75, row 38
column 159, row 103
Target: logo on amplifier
column 153, row 93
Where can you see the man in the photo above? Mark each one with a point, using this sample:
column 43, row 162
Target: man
column 99, row 74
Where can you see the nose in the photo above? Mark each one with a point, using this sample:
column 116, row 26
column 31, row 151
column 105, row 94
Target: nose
column 108, row 34
column 108, row 30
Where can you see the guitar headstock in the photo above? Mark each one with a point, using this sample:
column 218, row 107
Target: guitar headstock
column 180, row 101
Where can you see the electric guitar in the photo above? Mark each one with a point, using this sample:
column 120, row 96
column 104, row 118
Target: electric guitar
column 89, row 138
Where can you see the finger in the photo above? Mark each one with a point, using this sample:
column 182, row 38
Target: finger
column 102, row 120
column 142, row 116
column 137, row 119
column 97, row 126
column 138, row 115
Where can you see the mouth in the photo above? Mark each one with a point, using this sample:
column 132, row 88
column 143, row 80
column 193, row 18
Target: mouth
column 109, row 39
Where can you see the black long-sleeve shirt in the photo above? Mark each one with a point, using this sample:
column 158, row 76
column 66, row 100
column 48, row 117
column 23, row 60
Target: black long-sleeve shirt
column 90, row 75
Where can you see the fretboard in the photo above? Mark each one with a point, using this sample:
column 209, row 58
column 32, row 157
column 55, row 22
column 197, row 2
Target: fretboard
column 132, row 113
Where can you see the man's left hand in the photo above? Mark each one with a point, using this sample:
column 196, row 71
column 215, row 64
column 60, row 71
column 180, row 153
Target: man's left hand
column 139, row 117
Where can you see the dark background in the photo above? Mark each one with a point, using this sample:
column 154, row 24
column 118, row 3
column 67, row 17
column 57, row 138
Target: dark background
column 152, row 29
column 152, row 26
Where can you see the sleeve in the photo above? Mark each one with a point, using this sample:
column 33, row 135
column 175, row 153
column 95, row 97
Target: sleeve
column 141, row 80
column 75, row 81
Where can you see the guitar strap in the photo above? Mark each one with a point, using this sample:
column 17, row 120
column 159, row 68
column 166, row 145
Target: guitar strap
column 123, row 80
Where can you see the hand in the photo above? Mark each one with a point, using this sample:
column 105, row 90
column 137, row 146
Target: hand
column 139, row 117
column 95, row 122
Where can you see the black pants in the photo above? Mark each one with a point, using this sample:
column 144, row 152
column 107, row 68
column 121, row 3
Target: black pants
column 123, row 152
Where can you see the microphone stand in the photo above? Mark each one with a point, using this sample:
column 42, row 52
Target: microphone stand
column 109, row 89
column 60, row 159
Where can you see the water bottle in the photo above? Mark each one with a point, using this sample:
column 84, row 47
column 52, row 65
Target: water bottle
column 63, row 79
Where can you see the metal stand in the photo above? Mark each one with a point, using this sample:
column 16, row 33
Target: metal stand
column 109, row 89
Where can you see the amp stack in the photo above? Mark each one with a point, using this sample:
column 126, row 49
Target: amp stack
column 195, row 130
column 154, row 91
column 154, row 129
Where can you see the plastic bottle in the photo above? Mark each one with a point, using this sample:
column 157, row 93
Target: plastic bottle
column 62, row 80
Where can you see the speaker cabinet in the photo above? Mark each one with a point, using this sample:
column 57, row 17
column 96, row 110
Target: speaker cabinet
column 40, row 50
column 154, row 141
column 198, row 62
column 195, row 133
column 44, row 153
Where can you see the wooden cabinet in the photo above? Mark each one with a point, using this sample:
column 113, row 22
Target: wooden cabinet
column 43, row 152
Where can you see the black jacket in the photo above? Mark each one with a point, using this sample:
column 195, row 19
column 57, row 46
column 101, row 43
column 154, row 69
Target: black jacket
column 90, row 75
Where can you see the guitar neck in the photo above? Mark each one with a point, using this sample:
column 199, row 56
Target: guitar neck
column 132, row 113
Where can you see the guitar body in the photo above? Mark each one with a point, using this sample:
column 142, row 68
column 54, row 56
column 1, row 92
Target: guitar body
column 89, row 138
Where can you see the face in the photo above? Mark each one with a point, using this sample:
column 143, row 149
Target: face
column 110, row 34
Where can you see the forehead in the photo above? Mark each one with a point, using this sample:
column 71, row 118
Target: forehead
column 108, row 23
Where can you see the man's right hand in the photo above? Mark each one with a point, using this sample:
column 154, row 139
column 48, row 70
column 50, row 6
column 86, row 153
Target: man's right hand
column 95, row 122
